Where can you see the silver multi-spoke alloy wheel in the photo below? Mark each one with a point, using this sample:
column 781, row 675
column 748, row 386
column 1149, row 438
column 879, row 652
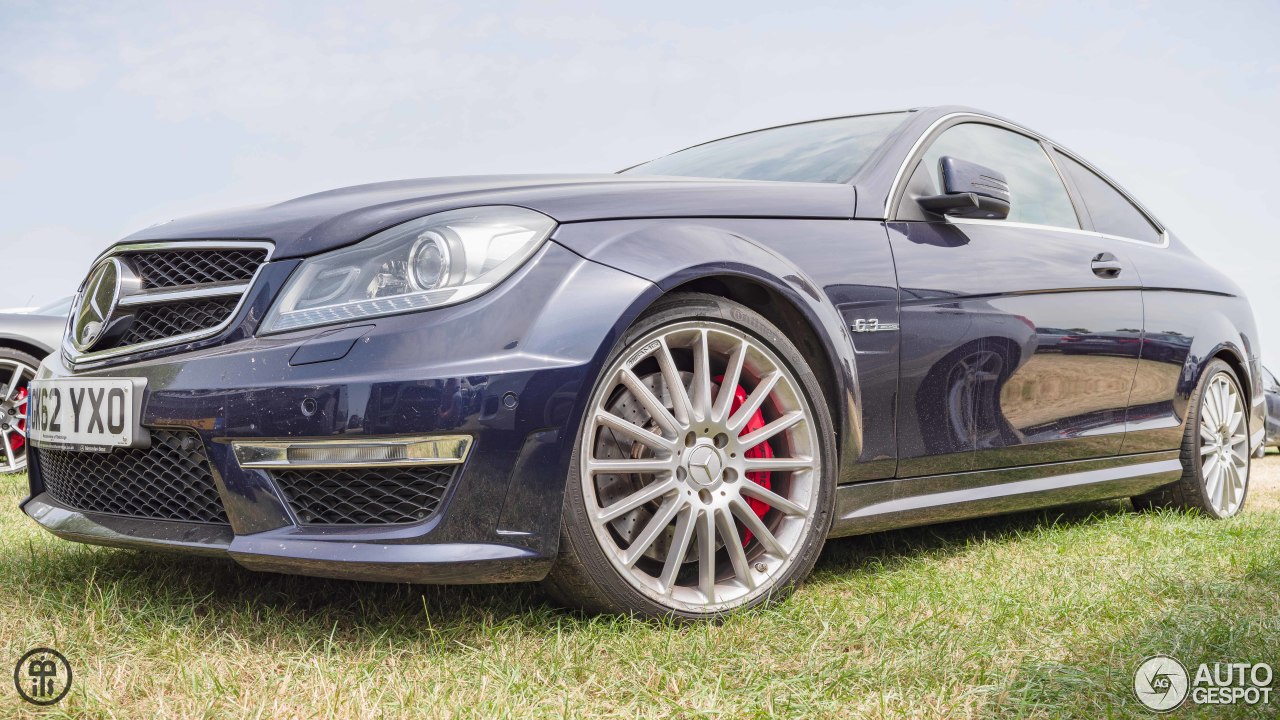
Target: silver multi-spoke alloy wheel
column 700, row 466
column 1215, row 450
column 1224, row 444
column 15, row 376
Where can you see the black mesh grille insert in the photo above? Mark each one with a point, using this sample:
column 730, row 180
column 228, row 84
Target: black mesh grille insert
column 169, row 481
column 157, row 322
column 202, row 275
column 365, row 496
column 175, row 268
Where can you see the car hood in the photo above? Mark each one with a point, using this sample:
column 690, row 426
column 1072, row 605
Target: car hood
column 327, row 220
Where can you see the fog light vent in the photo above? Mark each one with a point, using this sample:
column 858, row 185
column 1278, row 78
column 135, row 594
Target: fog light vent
column 364, row 496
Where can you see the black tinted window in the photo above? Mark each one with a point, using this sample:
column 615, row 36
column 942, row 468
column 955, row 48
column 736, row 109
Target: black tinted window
column 1111, row 211
column 1037, row 193
column 824, row 151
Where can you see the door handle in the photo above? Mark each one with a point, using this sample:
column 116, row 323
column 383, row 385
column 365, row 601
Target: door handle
column 1105, row 265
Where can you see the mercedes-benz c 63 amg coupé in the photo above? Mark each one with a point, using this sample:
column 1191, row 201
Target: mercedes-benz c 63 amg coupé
column 658, row 391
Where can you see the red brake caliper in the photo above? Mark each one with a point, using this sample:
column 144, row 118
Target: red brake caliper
column 763, row 450
column 16, row 441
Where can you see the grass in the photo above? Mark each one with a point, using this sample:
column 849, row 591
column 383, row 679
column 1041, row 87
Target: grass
column 1030, row 615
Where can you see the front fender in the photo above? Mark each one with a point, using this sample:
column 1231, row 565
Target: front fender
column 672, row 253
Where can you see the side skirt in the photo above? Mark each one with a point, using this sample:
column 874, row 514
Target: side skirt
column 874, row 506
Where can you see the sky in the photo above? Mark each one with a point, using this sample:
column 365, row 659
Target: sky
column 115, row 116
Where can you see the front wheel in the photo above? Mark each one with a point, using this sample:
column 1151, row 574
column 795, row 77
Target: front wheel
column 17, row 369
column 1215, row 450
column 703, row 476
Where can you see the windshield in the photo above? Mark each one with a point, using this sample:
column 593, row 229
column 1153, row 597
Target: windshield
column 830, row 151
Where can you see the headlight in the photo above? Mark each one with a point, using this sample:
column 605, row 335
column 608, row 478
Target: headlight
column 437, row 260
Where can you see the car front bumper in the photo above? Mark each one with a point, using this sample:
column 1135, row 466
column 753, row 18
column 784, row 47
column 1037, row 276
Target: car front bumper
column 383, row 557
column 506, row 370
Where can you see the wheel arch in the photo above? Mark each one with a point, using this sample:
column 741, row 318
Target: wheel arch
column 1198, row 363
column 29, row 348
column 704, row 255
column 1231, row 357
column 1217, row 327
column 767, row 300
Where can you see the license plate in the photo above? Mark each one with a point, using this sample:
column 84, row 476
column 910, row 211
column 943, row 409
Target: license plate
column 87, row 414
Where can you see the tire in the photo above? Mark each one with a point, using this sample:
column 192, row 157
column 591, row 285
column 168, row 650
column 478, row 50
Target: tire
column 622, row 533
column 1202, row 487
column 14, row 364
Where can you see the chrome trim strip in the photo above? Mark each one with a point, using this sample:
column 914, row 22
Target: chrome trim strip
column 401, row 452
column 1164, row 236
column 898, row 178
column 911, row 154
column 156, row 297
column 126, row 246
column 997, row 491
column 86, row 359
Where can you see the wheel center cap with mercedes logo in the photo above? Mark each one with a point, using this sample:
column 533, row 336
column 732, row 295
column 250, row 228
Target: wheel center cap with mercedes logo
column 705, row 465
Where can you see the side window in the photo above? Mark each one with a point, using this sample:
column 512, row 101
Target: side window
column 1038, row 195
column 1111, row 211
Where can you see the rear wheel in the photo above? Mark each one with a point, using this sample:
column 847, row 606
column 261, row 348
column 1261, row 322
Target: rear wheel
column 1215, row 450
column 702, row 478
column 17, row 369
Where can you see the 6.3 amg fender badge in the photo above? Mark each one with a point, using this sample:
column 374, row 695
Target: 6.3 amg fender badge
column 871, row 325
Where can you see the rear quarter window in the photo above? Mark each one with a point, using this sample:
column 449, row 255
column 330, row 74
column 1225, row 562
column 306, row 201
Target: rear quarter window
column 1111, row 211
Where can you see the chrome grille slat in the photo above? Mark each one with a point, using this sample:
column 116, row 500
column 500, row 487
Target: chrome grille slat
column 151, row 297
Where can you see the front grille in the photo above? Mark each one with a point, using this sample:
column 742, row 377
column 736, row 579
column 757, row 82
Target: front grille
column 175, row 268
column 186, row 292
column 169, row 481
column 156, row 322
column 365, row 496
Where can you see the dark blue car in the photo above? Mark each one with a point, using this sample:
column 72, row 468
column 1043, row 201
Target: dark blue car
column 658, row 391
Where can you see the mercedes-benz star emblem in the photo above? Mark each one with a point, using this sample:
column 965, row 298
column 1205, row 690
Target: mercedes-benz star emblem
column 97, row 303
column 704, row 465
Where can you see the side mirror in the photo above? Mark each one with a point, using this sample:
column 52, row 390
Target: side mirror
column 969, row 190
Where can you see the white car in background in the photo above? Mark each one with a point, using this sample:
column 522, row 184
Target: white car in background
column 25, row 338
